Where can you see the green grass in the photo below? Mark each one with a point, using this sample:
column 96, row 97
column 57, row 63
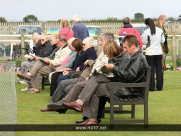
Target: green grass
column 164, row 108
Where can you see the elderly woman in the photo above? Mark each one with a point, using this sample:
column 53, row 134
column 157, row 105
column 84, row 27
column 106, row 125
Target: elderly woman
column 66, row 29
column 88, row 53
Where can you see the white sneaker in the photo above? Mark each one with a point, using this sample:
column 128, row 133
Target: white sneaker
column 23, row 82
column 27, row 89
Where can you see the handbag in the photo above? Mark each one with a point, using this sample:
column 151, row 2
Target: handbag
column 147, row 52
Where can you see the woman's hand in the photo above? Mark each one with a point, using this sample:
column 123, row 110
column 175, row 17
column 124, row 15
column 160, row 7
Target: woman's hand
column 36, row 58
column 65, row 73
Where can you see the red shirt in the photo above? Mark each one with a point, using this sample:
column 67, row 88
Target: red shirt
column 125, row 31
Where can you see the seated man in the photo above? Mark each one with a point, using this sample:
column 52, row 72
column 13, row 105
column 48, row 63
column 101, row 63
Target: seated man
column 42, row 66
column 66, row 64
column 45, row 51
column 131, row 71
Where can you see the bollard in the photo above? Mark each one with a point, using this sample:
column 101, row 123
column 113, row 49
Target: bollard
column 22, row 46
column 174, row 48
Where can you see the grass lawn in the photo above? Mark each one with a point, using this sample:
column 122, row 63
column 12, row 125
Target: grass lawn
column 164, row 108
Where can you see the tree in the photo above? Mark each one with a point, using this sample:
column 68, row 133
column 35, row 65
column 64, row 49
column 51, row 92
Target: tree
column 112, row 19
column 3, row 20
column 30, row 19
column 171, row 19
column 138, row 16
column 179, row 16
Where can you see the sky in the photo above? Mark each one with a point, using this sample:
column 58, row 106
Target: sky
column 47, row 10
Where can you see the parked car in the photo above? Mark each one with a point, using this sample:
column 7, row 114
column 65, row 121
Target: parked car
column 141, row 28
column 28, row 29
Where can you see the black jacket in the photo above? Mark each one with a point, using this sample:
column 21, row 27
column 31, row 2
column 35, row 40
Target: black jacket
column 46, row 49
column 132, row 71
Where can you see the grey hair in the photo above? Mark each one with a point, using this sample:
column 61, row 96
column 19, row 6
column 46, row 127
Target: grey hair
column 35, row 36
column 161, row 17
column 44, row 35
column 108, row 36
column 71, row 40
column 76, row 18
column 89, row 41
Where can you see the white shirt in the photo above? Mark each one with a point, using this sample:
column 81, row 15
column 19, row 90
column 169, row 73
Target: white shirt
column 155, row 40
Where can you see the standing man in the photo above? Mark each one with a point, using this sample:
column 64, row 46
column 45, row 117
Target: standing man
column 128, row 29
column 80, row 30
column 160, row 23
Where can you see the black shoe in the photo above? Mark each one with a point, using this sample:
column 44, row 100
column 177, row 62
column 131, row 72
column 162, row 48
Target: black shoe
column 56, row 106
column 61, row 111
column 80, row 121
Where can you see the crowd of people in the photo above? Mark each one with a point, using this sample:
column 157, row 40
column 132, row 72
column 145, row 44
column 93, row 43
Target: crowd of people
column 73, row 50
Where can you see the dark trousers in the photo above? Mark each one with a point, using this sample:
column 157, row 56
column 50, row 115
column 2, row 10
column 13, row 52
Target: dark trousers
column 54, row 82
column 155, row 62
column 62, row 77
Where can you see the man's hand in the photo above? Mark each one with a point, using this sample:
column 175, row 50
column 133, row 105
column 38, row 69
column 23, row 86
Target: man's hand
column 87, row 79
column 109, row 66
column 86, row 63
column 65, row 73
column 46, row 60
column 31, row 58
column 58, row 69
column 78, row 69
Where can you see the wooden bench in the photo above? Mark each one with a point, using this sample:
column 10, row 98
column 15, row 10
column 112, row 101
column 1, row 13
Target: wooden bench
column 130, row 101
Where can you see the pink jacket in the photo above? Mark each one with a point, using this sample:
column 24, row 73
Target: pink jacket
column 67, row 33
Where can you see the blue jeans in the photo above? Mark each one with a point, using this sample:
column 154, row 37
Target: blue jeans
column 62, row 77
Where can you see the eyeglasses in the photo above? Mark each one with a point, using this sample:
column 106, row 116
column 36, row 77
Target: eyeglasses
column 42, row 39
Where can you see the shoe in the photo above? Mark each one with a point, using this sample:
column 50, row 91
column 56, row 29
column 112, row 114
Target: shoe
column 56, row 106
column 24, row 76
column 74, row 105
column 89, row 122
column 33, row 91
column 61, row 111
column 45, row 110
column 23, row 82
column 27, row 89
column 81, row 121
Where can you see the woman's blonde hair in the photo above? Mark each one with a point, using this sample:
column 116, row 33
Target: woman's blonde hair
column 112, row 48
column 65, row 23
